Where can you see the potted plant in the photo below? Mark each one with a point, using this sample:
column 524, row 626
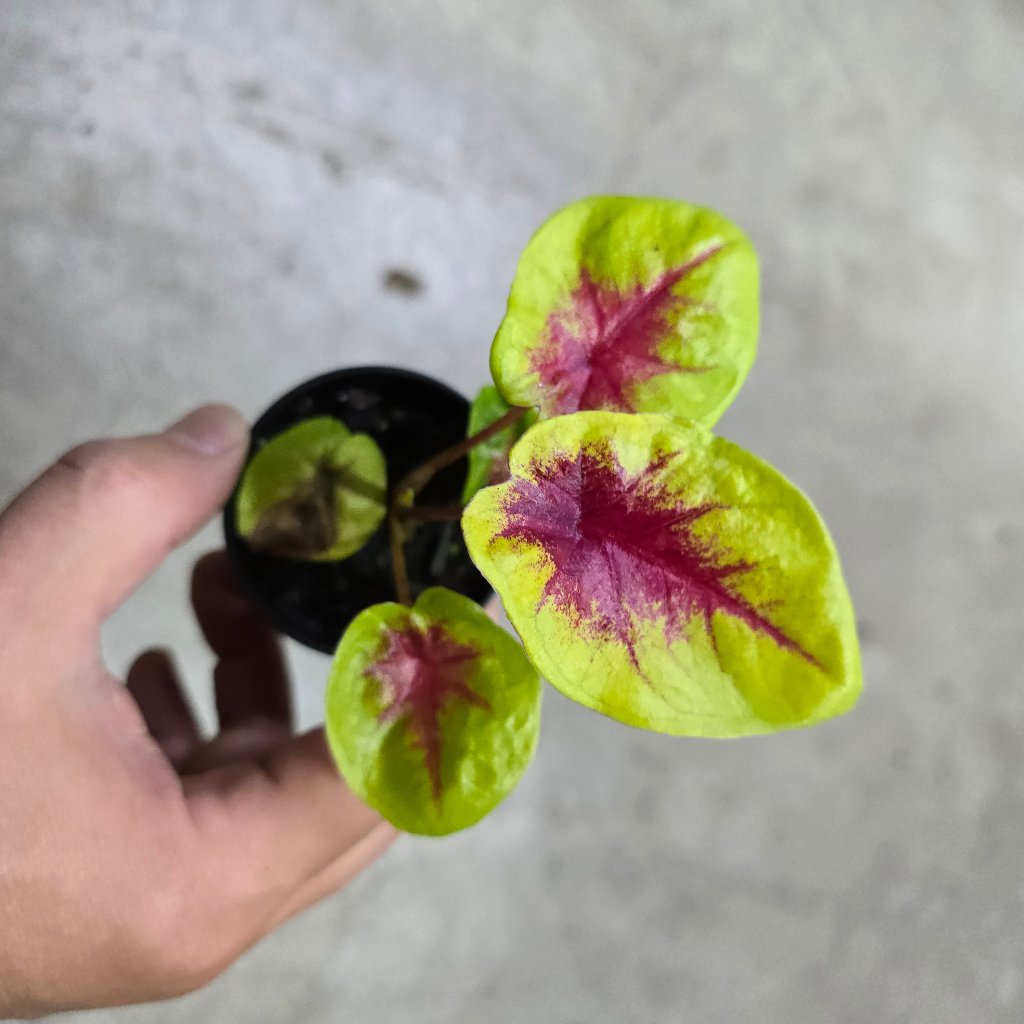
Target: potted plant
column 653, row 571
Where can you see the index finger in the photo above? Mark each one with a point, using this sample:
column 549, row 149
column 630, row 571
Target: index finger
column 250, row 679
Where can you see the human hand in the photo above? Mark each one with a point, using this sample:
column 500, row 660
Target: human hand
column 136, row 861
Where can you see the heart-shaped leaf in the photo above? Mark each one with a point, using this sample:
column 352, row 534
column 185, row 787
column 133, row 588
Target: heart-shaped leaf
column 631, row 305
column 488, row 462
column 433, row 711
column 317, row 492
column 667, row 578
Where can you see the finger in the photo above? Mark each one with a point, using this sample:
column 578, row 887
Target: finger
column 154, row 683
column 253, row 740
column 250, row 679
column 339, row 873
column 278, row 824
column 106, row 514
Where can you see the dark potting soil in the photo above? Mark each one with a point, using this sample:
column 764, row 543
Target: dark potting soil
column 411, row 417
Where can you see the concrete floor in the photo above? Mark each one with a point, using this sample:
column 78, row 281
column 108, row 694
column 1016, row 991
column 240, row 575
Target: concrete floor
column 201, row 200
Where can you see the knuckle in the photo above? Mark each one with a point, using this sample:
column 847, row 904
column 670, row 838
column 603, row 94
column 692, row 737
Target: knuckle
column 106, row 469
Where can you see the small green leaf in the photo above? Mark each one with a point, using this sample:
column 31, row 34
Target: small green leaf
column 317, row 492
column 667, row 578
column 631, row 305
column 433, row 712
column 488, row 462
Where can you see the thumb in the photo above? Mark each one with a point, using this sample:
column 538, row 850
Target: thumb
column 94, row 525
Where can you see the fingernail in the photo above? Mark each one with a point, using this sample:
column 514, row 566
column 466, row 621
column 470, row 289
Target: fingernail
column 211, row 429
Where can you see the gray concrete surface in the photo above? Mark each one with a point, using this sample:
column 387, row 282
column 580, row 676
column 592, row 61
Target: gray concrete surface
column 201, row 200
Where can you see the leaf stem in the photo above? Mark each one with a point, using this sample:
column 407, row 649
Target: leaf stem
column 399, row 569
column 412, row 483
column 434, row 513
column 401, row 506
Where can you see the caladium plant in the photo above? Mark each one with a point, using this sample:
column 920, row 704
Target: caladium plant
column 317, row 491
column 433, row 711
column 653, row 571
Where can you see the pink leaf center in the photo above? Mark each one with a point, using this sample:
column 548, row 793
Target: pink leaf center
column 625, row 551
column 421, row 671
column 595, row 353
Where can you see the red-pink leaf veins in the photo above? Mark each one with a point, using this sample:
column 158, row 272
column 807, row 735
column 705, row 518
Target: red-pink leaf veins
column 421, row 671
column 595, row 353
column 624, row 551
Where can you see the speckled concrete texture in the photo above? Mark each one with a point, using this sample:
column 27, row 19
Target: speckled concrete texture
column 204, row 199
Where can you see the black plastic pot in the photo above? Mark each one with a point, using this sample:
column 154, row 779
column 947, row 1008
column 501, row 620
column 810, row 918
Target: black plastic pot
column 411, row 417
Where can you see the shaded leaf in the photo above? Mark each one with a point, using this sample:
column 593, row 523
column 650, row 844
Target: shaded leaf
column 632, row 305
column 317, row 492
column 433, row 711
column 488, row 462
column 667, row 578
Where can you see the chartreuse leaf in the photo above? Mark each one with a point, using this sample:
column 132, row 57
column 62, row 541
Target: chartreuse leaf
column 488, row 462
column 317, row 492
column 631, row 305
column 667, row 578
column 433, row 711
